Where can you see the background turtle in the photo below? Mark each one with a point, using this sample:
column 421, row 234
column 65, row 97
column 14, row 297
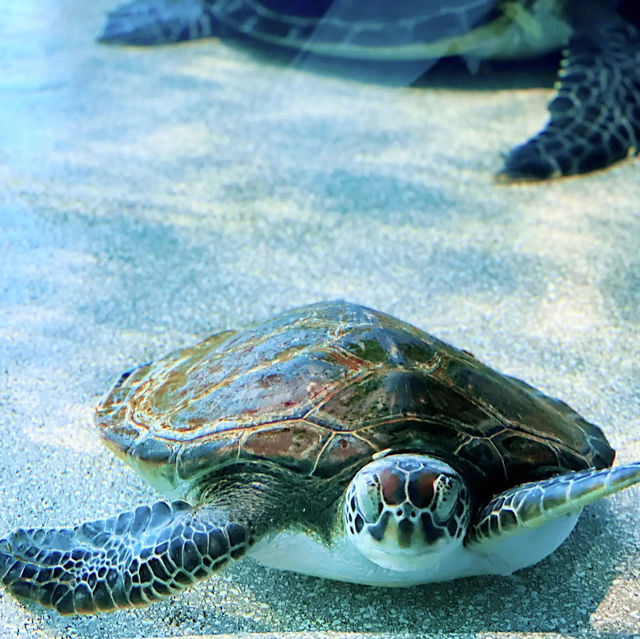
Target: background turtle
column 595, row 116
column 333, row 440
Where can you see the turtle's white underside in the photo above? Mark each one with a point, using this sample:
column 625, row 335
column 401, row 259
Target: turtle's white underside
column 303, row 553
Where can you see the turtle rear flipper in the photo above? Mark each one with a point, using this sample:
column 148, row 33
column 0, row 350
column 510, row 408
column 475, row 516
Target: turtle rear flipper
column 595, row 116
column 129, row 560
column 147, row 22
column 522, row 525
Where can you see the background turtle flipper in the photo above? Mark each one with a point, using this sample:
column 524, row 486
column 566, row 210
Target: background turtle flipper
column 535, row 504
column 595, row 116
column 129, row 560
column 147, row 22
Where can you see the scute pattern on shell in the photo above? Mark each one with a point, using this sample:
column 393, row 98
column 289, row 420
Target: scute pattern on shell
column 378, row 24
column 322, row 388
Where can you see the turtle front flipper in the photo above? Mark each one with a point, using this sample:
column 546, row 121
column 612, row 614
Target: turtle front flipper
column 147, row 22
column 129, row 560
column 595, row 116
column 523, row 525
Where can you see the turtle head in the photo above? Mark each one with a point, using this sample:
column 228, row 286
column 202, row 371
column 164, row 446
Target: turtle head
column 405, row 510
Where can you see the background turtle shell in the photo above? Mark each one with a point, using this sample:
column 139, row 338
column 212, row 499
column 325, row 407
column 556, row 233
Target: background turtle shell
column 360, row 23
column 323, row 388
column 381, row 30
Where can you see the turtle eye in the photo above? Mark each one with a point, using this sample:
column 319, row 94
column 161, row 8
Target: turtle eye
column 447, row 492
column 368, row 498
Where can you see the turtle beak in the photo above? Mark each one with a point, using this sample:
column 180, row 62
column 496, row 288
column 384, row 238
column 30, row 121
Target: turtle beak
column 396, row 527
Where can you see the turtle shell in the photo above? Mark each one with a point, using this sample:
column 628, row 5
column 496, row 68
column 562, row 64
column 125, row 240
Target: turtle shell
column 322, row 389
column 355, row 23
column 410, row 30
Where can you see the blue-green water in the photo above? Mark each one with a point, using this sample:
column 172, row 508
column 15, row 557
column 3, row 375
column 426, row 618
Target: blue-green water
column 151, row 196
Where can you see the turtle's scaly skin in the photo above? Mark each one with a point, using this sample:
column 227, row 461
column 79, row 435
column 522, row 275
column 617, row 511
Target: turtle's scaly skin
column 322, row 389
column 97, row 566
column 533, row 502
column 595, row 117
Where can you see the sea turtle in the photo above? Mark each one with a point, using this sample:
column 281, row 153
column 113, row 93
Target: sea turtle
column 595, row 115
column 332, row 440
